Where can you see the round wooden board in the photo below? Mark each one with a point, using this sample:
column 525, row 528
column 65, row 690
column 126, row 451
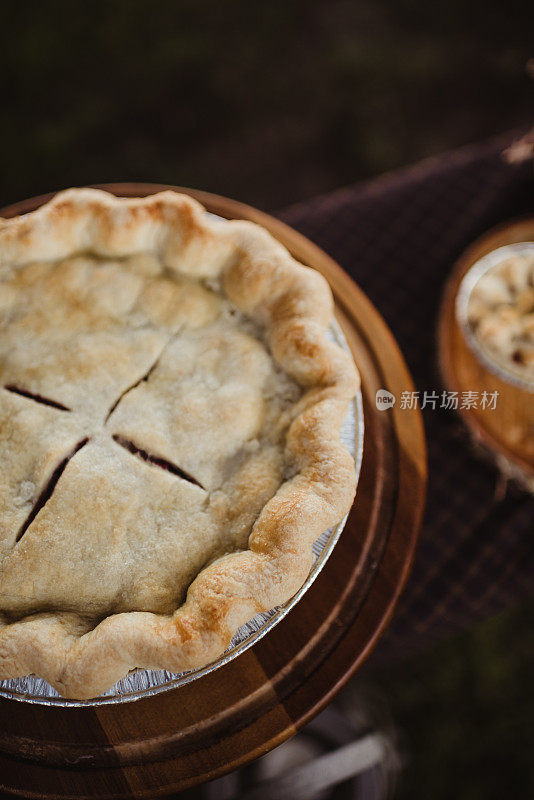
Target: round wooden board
column 506, row 432
column 215, row 724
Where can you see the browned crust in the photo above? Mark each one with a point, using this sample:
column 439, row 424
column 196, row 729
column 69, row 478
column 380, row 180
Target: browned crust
column 294, row 303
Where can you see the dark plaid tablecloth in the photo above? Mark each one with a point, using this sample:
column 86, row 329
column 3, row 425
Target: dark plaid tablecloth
column 398, row 237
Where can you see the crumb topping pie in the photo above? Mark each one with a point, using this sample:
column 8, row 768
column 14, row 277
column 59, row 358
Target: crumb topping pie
column 501, row 313
column 169, row 440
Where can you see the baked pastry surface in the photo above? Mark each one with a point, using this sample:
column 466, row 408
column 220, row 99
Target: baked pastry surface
column 170, row 411
column 501, row 314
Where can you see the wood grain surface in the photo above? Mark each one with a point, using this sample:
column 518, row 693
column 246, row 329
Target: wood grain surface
column 215, row 724
column 508, row 431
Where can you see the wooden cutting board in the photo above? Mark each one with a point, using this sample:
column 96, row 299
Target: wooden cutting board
column 215, row 724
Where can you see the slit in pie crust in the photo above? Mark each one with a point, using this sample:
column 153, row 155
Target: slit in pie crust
column 170, row 410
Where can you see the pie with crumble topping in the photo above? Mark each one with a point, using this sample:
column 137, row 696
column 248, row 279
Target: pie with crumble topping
column 170, row 411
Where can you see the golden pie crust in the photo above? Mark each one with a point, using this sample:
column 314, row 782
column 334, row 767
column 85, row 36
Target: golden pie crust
column 170, row 410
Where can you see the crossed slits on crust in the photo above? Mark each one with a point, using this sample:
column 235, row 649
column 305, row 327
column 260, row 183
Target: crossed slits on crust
column 118, row 500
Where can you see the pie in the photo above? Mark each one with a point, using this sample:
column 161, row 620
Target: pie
column 501, row 313
column 169, row 440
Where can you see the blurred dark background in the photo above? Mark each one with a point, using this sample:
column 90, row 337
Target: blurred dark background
column 273, row 103
column 269, row 103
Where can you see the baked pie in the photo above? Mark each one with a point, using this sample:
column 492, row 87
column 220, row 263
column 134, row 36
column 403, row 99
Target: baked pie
column 169, row 440
column 501, row 313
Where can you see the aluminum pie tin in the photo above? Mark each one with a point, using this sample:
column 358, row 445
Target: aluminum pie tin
column 468, row 283
column 142, row 683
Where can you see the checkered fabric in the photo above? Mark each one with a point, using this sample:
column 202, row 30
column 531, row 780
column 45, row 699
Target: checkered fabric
column 398, row 237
